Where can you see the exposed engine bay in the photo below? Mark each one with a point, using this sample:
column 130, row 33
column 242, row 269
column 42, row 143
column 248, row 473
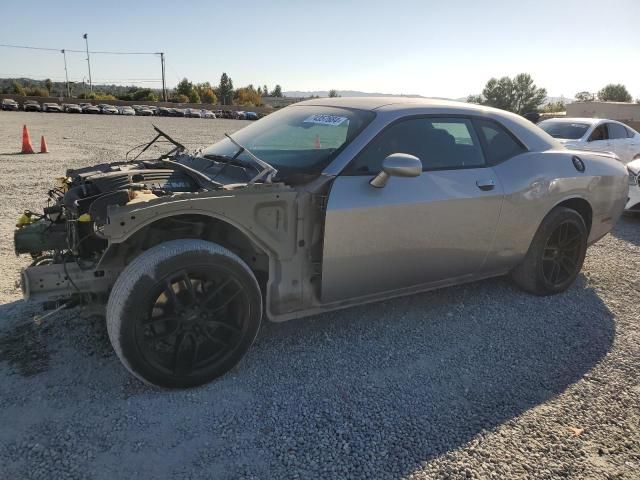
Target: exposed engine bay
column 69, row 229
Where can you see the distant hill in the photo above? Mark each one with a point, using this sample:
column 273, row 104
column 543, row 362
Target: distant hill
column 342, row 93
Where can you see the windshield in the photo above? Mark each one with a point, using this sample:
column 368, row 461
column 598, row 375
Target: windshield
column 570, row 131
column 297, row 139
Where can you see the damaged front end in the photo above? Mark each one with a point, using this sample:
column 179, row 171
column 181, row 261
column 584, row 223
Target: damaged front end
column 66, row 240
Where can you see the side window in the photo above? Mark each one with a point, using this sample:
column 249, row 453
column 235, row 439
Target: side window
column 616, row 131
column 630, row 133
column 440, row 143
column 600, row 133
column 499, row 144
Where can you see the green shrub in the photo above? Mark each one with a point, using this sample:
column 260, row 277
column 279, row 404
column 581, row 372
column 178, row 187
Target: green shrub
column 179, row 99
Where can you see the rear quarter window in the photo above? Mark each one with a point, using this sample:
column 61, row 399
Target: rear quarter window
column 499, row 144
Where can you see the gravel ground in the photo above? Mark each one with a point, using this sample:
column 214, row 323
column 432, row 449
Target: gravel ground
column 477, row 381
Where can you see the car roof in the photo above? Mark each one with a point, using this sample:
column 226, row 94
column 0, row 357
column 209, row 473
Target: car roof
column 534, row 138
column 587, row 120
column 374, row 103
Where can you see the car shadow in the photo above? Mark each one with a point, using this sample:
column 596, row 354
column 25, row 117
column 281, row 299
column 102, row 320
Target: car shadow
column 383, row 387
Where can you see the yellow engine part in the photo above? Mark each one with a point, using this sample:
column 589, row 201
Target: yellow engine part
column 24, row 219
column 63, row 183
column 139, row 196
column 85, row 217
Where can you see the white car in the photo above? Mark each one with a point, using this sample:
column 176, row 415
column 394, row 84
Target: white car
column 126, row 110
column 595, row 134
column 633, row 204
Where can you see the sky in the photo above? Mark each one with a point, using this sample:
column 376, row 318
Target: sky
column 438, row 48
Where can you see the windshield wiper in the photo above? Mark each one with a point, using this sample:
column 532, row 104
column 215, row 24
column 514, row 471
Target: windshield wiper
column 208, row 180
column 226, row 159
column 268, row 171
column 179, row 148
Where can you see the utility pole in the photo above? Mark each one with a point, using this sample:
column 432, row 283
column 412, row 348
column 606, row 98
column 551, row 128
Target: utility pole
column 88, row 61
column 164, row 87
column 66, row 74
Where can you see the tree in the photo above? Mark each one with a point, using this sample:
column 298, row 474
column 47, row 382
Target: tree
column 225, row 89
column 37, row 92
column 96, row 96
column 179, row 98
column 526, row 96
column 277, row 91
column 247, row 96
column 475, row 99
column 208, row 96
column 499, row 93
column 206, row 93
column 585, row 97
column 553, row 107
column 48, row 84
column 194, row 97
column 17, row 88
column 519, row 95
column 265, row 90
column 145, row 94
column 614, row 93
column 333, row 93
column 185, row 87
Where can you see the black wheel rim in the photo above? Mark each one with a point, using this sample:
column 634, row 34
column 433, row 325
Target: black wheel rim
column 561, row 256
column 197, row 319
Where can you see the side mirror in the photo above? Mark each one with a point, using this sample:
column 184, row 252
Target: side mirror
column 397, row 165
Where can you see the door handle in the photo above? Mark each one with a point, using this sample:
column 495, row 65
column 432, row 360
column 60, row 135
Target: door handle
column 485, row 185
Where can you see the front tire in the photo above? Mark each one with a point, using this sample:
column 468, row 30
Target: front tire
column 183, row 313
column 556, row 254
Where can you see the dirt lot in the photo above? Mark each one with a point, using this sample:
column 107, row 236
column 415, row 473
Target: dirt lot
column 478, row 381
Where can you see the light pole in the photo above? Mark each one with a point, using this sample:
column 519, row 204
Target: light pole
column 164, row 87
column 88, row 61
column 66, row 74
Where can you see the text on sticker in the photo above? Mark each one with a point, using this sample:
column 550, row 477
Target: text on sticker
column 333, row 120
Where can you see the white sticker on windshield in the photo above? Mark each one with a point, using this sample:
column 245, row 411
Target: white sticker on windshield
column 332, row 120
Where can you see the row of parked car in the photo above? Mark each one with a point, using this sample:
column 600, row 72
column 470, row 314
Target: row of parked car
column 140, row 110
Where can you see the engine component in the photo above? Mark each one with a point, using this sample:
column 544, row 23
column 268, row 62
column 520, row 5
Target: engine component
column 40, row 236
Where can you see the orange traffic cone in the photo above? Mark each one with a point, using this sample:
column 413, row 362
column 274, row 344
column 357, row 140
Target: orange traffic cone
column 26, row 141
column 318, row 141
column 43, row 145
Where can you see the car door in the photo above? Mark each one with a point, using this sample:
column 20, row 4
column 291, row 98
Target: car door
column 620, row 144
column 413, row 231
column 598, row 139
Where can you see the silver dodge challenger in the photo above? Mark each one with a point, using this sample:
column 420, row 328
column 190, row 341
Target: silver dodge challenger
column 323, row 205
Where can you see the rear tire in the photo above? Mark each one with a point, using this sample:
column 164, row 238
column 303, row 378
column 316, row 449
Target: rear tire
column 183, row 313
column 556, row 254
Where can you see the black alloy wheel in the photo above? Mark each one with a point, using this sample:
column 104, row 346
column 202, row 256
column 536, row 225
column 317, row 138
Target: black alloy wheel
column 183, row 313
column 555, row 255
column 196, row 321
column 561, row 257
